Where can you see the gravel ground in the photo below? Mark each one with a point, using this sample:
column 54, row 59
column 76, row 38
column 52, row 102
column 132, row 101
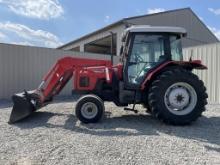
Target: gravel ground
column 53, row 135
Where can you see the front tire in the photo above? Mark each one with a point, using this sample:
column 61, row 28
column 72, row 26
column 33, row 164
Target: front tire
column 177, row 97
column 89, row 109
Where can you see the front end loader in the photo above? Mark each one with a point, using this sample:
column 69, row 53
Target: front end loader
column 152, row 73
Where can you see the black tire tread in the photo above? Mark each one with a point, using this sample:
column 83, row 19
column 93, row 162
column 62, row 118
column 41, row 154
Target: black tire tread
column 166, row 76
column 95, row 99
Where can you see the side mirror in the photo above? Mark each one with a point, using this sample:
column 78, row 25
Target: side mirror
column 123, row 38
column 121, row 50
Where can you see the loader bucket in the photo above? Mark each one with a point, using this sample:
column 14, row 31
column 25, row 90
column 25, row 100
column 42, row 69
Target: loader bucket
column 22, row 107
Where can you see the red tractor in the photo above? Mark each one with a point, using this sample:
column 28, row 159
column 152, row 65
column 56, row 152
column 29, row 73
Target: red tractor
column 152, row 73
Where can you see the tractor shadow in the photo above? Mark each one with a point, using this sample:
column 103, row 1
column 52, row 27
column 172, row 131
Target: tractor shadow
column 109, row 126
column 205, row 129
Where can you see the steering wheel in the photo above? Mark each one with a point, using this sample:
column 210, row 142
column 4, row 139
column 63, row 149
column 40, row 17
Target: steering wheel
column 140, row 72
column 138, row 58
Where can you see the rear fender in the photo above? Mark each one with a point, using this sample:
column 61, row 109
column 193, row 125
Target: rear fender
column 195, row 64
column 189, row 65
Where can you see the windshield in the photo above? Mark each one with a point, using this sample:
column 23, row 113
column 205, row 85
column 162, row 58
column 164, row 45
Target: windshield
column 147, row 48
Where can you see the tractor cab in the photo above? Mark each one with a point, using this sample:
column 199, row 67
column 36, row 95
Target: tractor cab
column 145, row 48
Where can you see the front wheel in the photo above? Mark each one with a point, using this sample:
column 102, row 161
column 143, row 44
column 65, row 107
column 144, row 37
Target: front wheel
column 89, row 109
column 177, row 97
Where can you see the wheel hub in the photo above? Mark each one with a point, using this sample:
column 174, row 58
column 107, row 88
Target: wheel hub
column 89, row 110
column 180, row 98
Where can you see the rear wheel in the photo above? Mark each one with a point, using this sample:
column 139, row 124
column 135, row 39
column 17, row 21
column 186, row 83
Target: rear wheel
column 177, row 97
column 89, row 109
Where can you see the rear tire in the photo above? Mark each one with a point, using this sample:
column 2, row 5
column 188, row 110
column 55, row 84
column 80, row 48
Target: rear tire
column 177, row 97
column 89, row 109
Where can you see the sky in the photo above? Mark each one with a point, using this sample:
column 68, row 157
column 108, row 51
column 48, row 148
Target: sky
column 51, row 23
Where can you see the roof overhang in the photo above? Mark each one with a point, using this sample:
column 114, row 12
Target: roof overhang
column 157, row 29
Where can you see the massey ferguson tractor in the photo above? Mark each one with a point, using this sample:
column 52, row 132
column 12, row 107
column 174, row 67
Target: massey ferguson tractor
column 152, row 73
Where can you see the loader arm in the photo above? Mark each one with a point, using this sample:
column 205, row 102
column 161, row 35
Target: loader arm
column 51, row 85
column 56, row 79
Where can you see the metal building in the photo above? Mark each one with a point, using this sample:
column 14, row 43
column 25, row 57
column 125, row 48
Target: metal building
column 100, row 40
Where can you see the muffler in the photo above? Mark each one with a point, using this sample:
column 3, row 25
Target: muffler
column 24, row 106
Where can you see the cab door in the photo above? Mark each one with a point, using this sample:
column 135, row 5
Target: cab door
column 146, row 51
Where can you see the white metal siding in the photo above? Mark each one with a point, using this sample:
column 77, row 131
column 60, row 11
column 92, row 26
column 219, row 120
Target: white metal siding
column 23, row 67
column 210, row 56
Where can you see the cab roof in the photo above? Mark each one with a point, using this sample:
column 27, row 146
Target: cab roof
column 157, row 29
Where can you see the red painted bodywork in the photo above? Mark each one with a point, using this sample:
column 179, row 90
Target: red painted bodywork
column 95, row 70
column 69, row 67
column 195, row 64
